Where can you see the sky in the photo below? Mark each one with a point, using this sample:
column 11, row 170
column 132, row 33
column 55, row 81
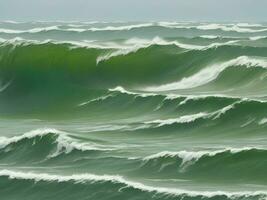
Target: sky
column 134, row 10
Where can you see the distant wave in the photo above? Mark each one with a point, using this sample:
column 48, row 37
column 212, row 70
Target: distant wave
column 255, row 38
column 34, row 30
column 239, row 28
column 235, row 28
column 209, row 36
column 75, row 29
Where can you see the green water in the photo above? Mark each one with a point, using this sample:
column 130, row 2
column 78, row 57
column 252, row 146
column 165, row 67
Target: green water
column 133, row 111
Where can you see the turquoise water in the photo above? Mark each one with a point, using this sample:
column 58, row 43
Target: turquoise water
column 153, row 110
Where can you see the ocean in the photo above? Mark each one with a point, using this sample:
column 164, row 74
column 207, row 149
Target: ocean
column 133, row 110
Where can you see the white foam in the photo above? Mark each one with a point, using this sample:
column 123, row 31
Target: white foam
column 34, row 30
column 120, row 52
column 219, row 113
column 66, row 145
column 228, row 28
column 116, row 49
column 263, row 121
column 135, row 44
column 83, row 178
column 255, row 38
column 209, row 36
column 180, row 120
column 210, row 73
column 3, row 87
column 191, row 157
column 249, row 25
column 121, row 28
column 106, row 127
column 76, row 29
column 37, row 30
column 11, row 22
column 73, row 44
column 96, row 100
column 241, row 27
column 10, row 31
column 4, row 141
column 120, row 89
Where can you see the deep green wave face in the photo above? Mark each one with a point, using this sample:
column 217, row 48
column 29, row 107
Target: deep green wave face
column 114, row 111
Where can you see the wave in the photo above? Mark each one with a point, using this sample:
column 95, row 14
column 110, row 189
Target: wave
column 159, row 67
column 76, row 29
column 64, row 143
column 179, row 111
column 221, row 115
column 210, row 73
column 129, row 46
column 209, row 36
column 124, row 183
column 234, row 28
column 192, row 157
column 239, row 28
column 87, row 44
column 257, row 38
column 183, row 119
column 34, row 30
column 249, row 25
column 159, row 100
column 203, row 165
column 143, row 44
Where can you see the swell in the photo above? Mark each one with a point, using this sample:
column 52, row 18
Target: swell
column 46, row 73
column 80, row 60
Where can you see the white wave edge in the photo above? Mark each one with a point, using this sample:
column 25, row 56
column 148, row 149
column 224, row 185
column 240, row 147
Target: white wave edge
column 209, row 74
column 180, row 120
column 83, row 178
column 193, row 156
column 239, row 27
column 64, row 143
column 137, row 44
column 129, row 46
